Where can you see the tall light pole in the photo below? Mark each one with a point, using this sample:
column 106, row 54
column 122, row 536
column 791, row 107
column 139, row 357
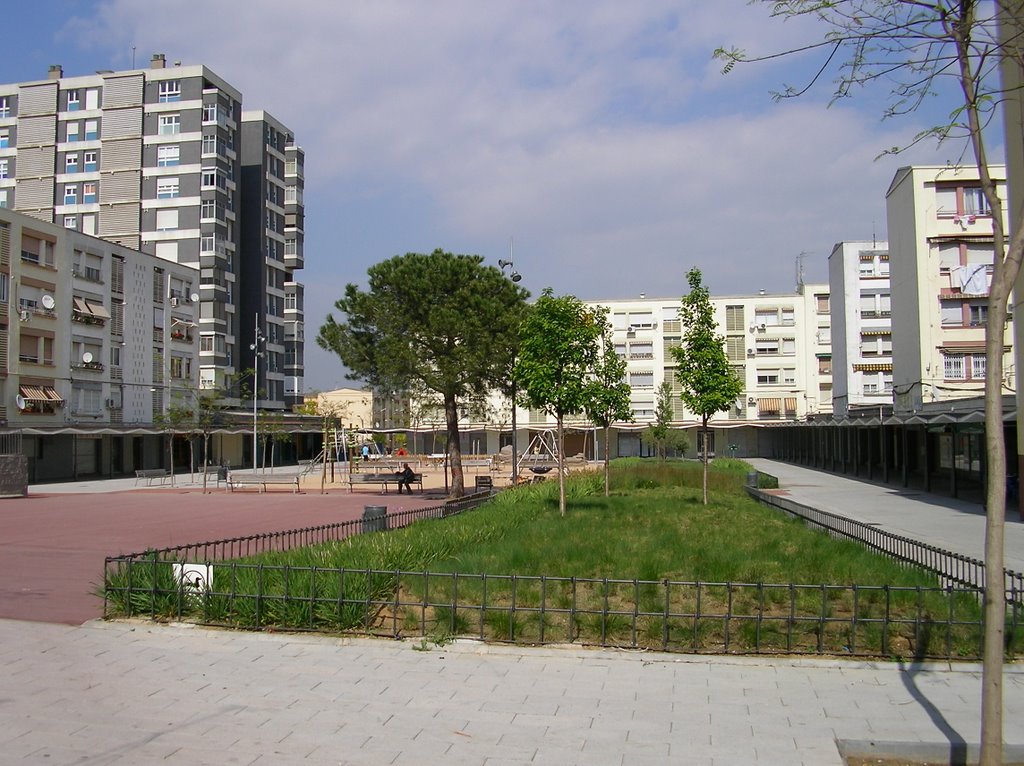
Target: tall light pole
column 515, row 276
column 256, row 354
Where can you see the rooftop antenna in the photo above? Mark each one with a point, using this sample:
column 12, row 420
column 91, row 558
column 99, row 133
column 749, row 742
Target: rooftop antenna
column 800, row 268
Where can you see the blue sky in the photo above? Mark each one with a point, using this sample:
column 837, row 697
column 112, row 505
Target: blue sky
column 597, row 135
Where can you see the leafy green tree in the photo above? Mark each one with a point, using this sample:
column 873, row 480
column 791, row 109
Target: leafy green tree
column 608, row 399
column 708, row 383
column 915, row 48
column 442, row 323
column 658, row 432
column 558, row 351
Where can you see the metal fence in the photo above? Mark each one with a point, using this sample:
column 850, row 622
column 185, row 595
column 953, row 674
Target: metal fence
column 10, row 443
column 289, row 539
column 665, row 615
column 952, row 568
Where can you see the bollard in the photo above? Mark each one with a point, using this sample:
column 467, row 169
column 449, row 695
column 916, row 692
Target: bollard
column 375, row 518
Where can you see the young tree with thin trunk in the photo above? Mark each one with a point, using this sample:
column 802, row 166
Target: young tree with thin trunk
column 558, row 350
column 608, row 400
column 707, row 381
column 914, row 48
column 442, row 323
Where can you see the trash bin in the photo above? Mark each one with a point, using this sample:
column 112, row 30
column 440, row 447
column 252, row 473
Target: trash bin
column 375, row 518
column 752, row 479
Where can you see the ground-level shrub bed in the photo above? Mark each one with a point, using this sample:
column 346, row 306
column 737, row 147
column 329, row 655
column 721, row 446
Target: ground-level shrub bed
column 649, row 567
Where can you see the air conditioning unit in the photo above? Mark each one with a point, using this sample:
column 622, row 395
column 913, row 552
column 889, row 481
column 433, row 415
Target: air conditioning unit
column 175, row 301
column 109, row 404
column 751, row 400
column 750, row 352
column 761, row 328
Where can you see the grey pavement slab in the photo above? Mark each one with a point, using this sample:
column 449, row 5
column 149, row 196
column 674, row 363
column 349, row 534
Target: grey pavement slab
column 138, row 693
column 945, row 522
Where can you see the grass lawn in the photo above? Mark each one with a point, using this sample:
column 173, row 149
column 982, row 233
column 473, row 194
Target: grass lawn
column 650, row 566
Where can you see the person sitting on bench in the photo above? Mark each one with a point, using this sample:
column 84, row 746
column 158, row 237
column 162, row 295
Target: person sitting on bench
column 405, row 476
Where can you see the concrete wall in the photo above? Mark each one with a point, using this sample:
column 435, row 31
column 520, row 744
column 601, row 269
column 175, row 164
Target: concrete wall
column 13, row 475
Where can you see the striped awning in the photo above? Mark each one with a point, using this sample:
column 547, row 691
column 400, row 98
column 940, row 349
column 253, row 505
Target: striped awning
column 876, row 367
column 769, row 405
column 790, row 404
column 39, row 394
column 885, row 331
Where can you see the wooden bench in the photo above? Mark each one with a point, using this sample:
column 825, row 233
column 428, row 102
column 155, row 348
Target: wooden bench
column 484, row 483
column 381, row 479
column 262, row 482
column 150, row 475
column 478, row 462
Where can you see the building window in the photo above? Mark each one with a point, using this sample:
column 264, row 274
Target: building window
column 953, row 367
column 92, row 130
column 822, row 302
column 89, row 162
column 89, row 192
column 209, row 144
column 70, row 222
column 5, row 106
column 209, row 179
column 71, row 163
column 167, row 220
column 952, row 313
column 168, row 156
column 3, row 198
column 5, row 137
column 824, row 366
column 4, row 169
column 71, row 194
column 207, row 209
column 975, row 202
column 209, row 112
column 74, row 100
column 73, row 132
column 170, row 124
column 769, row 347
column 170, row 90
column 768, row 377
column 979, row 314
column 166, row 188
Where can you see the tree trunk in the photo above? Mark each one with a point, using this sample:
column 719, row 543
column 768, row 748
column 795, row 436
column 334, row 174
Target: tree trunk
column 561, row 466
column 704, row 428
column 206, row 458
column 607, row 462
column 451, row 414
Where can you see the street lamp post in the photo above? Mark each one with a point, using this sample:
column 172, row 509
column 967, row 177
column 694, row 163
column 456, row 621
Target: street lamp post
column 515, row 276
column 257, row 353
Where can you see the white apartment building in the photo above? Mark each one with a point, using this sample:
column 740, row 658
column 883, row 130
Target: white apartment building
column 940, row 252
column 779, row 345
column 862, row 374
column 97, row 340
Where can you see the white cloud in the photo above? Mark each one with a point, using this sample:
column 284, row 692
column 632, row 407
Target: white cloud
column 599, row 134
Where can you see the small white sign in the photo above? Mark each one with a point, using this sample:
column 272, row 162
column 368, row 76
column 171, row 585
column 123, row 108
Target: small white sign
column 195, row 579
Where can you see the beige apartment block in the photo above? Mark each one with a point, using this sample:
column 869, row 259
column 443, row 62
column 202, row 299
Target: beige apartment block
column 97, row 341
column 941, row 255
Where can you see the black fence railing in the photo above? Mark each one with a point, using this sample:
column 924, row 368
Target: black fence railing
column 290, row 539
column 952, row 568
column 663, row 615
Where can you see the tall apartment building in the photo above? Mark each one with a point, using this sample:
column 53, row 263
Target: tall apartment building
column 272, row 232
column 95, row 344
column 862, row 373
column 151, row 159
column 941, row 255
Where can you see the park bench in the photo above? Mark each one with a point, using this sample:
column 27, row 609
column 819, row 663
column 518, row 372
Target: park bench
column 150, row 475
column 478, row 462
column 262, row 482
column 484, row 483
column 381, row 479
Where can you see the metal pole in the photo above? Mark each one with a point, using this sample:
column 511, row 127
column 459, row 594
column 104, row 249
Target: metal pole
column 255, row 385
column 515, row 451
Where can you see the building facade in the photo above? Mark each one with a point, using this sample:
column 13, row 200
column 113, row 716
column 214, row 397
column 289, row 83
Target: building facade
column 941, row 255
column 95, row 346
column 861, row 301
column 271, row 299
column 152, row 159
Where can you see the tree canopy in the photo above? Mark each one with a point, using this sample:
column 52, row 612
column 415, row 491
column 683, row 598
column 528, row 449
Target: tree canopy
column 608, row 400
column 441, row 322
column 558, row 352
column 707, row 381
